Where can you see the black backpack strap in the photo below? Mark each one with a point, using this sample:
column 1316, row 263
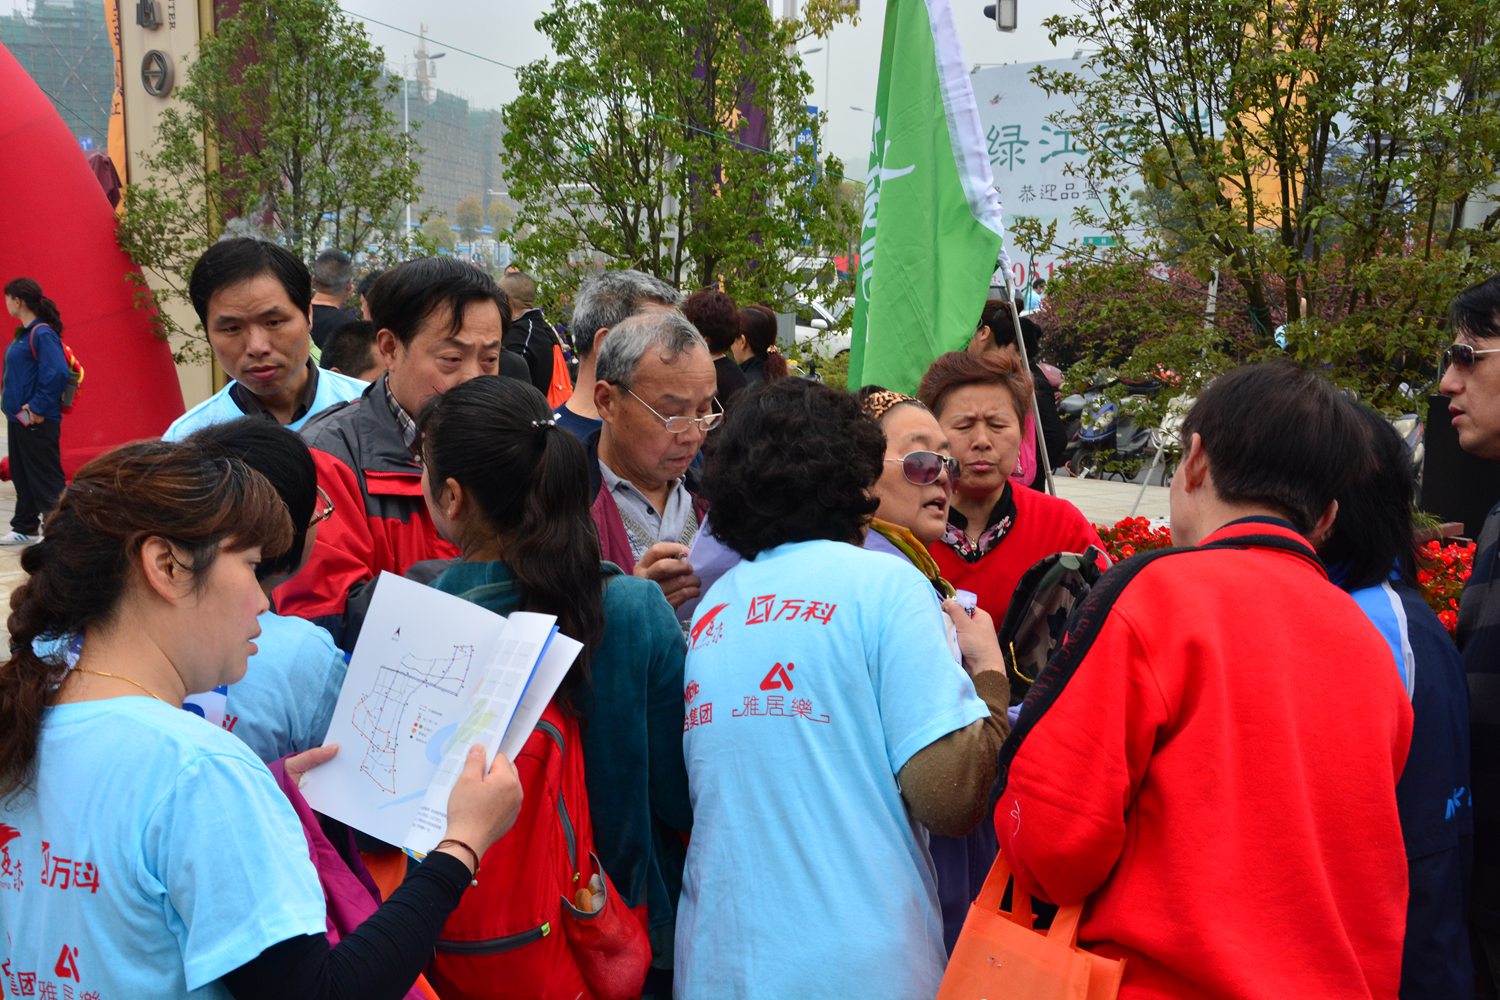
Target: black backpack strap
column 1086, row 622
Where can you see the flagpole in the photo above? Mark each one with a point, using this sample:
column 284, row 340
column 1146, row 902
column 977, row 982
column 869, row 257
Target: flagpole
column 1036, row 410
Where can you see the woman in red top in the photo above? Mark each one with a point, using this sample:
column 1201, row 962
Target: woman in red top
column 997, row 529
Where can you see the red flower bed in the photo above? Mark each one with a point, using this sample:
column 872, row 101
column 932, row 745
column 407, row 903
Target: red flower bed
column 1132, row 535
column 1442, row 569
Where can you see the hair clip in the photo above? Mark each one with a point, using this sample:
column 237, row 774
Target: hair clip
column 543, row 424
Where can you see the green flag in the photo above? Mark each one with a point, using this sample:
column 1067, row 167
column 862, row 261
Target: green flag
column 932, row 222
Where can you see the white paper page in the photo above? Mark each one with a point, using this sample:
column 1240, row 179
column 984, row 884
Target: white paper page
column 506, row 678
column 411, row 680
column 556, row 662
column 710, row 559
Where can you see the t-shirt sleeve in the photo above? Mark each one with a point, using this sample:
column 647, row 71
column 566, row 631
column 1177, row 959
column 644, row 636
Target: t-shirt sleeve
column 225, row 853
column 923, row 693
column 322, row 667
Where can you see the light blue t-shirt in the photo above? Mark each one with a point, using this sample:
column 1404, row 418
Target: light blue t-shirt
column 285, row 701
column 155, row 855
column 333, row 387
column 814, row 673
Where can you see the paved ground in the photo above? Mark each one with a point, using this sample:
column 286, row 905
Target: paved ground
column 1107, row 502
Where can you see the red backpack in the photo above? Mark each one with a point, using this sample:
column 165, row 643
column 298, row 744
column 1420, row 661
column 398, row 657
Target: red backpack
column 518, row 934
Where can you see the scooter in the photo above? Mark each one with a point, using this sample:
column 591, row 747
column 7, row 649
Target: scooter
column 1071, row 409
column 1109, row 441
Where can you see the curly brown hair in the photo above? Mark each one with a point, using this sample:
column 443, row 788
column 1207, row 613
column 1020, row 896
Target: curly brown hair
column 795, row 461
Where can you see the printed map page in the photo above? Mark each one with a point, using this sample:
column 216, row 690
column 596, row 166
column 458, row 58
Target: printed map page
column 424, row 662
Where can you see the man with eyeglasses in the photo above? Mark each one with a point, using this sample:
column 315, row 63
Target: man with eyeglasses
column 1471, row 381
column 655, row 395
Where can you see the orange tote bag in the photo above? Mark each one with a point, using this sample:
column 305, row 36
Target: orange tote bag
column 1000, row 955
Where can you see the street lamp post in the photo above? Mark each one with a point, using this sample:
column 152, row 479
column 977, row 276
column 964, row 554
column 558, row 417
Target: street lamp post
column 827, row 49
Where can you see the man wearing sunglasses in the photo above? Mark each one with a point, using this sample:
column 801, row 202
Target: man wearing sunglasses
column 1471, row 381
column 655, row 395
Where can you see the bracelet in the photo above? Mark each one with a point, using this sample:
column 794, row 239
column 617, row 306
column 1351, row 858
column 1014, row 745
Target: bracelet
column 474, row 880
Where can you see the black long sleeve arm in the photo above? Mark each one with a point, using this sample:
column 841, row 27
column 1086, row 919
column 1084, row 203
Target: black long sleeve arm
column 380, row 959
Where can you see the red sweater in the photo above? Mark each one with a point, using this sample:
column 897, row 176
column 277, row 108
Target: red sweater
column 1045, row 525
column 1218, row 779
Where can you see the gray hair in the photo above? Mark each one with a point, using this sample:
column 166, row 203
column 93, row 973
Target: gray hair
column 605, row 299
column 668, row 333
column 333, row 273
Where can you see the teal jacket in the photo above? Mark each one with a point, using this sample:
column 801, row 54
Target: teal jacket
column 632, row 735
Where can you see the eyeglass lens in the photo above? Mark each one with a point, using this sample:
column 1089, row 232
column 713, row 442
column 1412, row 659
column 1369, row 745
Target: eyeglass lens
column 1459, row 356
column 679, row 424
column 922, row 468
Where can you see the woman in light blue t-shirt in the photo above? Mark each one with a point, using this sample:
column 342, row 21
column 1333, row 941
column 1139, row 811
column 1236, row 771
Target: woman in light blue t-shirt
column 827, row 722
column 144, row 852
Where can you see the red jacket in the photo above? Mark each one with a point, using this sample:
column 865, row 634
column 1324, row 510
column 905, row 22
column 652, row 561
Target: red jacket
column 1044, row 525
column 379, row 522
column 1217, row 778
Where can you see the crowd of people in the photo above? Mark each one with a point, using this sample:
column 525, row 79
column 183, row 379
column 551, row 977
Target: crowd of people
column 793, row 745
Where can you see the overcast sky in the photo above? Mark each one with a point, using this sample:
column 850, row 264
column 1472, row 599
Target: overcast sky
column 481, row 38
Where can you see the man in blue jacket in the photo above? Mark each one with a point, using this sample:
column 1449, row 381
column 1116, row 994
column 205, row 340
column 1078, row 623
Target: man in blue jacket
column 255, row 302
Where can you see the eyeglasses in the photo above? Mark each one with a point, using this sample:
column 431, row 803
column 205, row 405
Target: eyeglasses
column 325, row 512
column 1463, row 356
column 922, row 468
column 680, row 424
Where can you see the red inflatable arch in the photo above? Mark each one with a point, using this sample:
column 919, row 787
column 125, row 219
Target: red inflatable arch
column 56, row 226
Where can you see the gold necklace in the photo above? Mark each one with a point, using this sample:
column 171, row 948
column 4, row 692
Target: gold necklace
column 127, row 680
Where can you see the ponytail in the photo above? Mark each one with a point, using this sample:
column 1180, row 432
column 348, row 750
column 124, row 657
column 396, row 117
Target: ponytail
column 28, row 683
column 775, row 365
column 530, row 481
column 47, row 311
column 554, row 552
column 30, row 294
column 758, row 327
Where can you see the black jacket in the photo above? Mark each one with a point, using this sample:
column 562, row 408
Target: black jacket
column 533, row 338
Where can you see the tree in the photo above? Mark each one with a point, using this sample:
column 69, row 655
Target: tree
column 438, row 233
column 290, row 94
column 502, row 217
column 674, row 137
column 1320, row 154
column 470, row 215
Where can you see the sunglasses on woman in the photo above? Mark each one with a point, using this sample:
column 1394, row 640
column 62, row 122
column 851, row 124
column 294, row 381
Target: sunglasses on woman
column 922, row 468
column 1463, row 356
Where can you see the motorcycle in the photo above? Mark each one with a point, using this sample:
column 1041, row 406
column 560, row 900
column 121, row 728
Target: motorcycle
column 1109, row 442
